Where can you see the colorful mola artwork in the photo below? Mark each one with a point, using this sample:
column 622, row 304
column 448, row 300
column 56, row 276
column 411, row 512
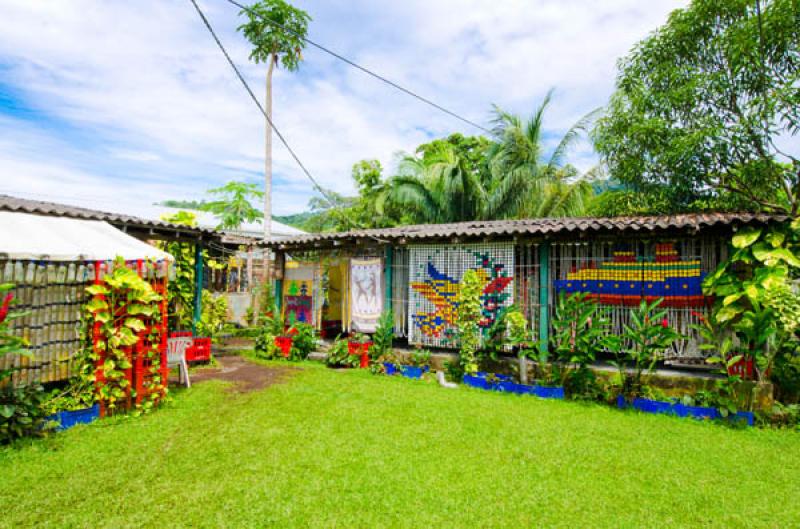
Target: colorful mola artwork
column 435, row 288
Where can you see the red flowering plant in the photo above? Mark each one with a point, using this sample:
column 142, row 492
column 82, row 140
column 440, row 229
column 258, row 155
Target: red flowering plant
column 21, row 405
column 9, row 342
column 641, row 344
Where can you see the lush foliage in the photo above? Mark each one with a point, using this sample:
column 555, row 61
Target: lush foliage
column 461, row 458
column 304, row 341
column 214, row 316
column 641, row 344
column 21, row 410
column 180, row 289
column 233, row 208
column 339, row 355
column 270, row 42
column 120, row 305
column 704, row 107
column 580, row 330
column 419, row 358
column 754, row 294
column 383, row 337
column 467, row 318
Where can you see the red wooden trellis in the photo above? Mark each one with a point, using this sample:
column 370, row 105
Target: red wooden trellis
column 148, row 357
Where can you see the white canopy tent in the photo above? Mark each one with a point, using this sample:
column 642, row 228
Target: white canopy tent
column 35, row 237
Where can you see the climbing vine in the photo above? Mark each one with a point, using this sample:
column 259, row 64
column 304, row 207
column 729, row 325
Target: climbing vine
column 125, row 312
column 468, row 316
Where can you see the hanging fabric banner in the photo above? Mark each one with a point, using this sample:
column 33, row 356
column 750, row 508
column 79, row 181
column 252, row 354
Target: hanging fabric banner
column 366, row 293
column 298, row 288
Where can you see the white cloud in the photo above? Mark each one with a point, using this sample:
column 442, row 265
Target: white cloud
column 136, row 94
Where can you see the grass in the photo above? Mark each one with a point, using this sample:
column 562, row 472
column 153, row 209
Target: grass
column 348, row 449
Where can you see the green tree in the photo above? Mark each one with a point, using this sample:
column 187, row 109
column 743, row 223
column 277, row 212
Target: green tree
column 438, row 186
column 703, row 106
column 233, row 207
column 274, row 45
column 526, row 180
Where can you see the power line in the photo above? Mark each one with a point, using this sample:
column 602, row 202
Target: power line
column 261, row 108
column 362, row 68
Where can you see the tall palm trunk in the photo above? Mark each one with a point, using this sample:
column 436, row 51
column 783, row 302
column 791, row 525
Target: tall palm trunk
column 268, row 155
column 268, row 175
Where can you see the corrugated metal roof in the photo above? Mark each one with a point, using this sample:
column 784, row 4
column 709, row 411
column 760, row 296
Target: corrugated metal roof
column 534, row 227
column 38, row 207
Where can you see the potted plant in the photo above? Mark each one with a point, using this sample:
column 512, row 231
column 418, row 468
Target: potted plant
column 418, row 364
column 339, row 355
column 359, row 345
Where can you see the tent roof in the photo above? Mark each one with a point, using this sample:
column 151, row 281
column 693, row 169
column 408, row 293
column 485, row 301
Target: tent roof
column 37, row 237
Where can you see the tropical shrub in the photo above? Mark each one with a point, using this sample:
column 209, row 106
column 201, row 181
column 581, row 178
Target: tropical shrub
column 383, row 336
column 420, row 358
column 754, row 297
column 641, row 344
column 180, row 290
column 21, row 410
column 468, row 314
column 580, row 330
column 214, row 315
column 338, row 355
column 304, row 341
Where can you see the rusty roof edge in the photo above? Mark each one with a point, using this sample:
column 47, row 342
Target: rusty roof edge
column 504, row 228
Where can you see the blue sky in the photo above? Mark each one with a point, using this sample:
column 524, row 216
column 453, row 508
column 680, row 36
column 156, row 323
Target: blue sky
column 115, row 104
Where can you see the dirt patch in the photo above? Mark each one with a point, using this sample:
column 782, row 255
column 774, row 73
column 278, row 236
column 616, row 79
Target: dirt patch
column 245, row 375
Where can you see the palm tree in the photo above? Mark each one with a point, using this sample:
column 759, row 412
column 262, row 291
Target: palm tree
column 525, row 182
column 437, row 187
column 274, row 45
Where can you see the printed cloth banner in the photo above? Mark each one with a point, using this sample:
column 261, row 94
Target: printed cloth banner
column 434, row 283
column 366, row 293
column 298, row 288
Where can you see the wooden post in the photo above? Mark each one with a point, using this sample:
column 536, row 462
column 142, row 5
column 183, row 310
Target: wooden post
column 198, row 285
column 544, row 313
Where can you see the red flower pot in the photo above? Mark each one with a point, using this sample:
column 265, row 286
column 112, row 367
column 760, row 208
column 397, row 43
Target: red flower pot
column 743, row 368
column 284, row 343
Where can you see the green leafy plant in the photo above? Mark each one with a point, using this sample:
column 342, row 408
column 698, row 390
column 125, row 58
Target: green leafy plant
column 180, row 289
column 121, row 304
column 383, row 337
column 468, row 314
column 21, row 405
column 338, row 355
column 304, row 341
column 641, row 344
column 754, row 295
column 580, row 329
column 213, row 317
column 419, row 358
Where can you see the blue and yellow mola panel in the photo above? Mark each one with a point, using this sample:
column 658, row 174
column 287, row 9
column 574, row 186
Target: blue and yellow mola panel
column 628, row 278
column 434, row 284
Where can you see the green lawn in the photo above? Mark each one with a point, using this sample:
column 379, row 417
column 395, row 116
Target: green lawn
column 348, row 449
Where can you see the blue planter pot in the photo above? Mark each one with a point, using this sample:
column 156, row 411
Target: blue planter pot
column 406, row 371
column 391, row 369
column 544, row 392
column 68, row 419
column 506, row 385
column 414, row 371
column 681, row 410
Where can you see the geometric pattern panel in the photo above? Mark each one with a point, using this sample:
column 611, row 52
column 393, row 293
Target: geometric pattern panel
column 435, row 274
column 629, row 278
